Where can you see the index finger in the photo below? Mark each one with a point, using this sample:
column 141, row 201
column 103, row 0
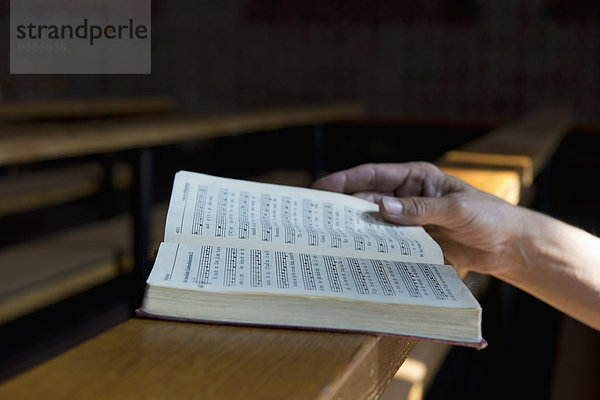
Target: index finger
column 406, row 179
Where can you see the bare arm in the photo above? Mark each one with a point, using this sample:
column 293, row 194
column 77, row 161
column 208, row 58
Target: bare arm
column 554, row 261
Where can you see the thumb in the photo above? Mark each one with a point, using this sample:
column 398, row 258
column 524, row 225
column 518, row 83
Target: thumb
column 415, row 210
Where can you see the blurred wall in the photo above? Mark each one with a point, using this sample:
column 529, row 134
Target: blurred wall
column 441, row 59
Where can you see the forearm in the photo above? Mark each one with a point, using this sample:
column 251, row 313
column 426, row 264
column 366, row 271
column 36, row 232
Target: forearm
column 559, row 264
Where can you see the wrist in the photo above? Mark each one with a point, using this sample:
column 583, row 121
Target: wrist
column 521, row 248
column 543, row 245
column 557, row 263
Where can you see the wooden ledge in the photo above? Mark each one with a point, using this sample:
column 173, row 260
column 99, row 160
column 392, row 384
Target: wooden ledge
column 525, row 145
column 504, row 183
column 34, row 190
column 44, row 188
column 45, row 141
column 39, row 273
column 84, row 107
column 155, row 360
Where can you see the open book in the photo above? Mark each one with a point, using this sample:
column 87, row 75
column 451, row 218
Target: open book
column 241, row 252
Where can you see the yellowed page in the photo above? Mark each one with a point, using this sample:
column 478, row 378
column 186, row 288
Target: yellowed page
column 209, row 210
column 230, row 269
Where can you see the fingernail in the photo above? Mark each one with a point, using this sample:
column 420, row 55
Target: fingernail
column 391, row 205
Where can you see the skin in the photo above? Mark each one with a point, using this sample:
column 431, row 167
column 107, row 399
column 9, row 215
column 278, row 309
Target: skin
column 554, row 261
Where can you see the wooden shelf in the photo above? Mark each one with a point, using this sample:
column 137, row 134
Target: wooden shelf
column 502, row 183
column 27, row 143
column 525, row 145
column 158, row 359
column 45, row 188
column 42, row 272
column 33, row 190
column 11, row 111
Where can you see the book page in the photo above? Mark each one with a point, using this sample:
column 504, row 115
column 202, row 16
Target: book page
column 229, row 269
column 217, row 211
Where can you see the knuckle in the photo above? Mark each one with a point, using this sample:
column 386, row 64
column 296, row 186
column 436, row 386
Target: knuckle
column 462, row 208
column 459, row 202
column 371, row 174
column 418, row 206
column 427, row 167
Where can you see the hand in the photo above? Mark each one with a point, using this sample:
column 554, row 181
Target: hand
column 554, row 261
column 476, row 230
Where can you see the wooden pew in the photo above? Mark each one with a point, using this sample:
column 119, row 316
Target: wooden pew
column 158, row 359
column 14, row 111
column 504, row 183
column 42, row 272
column 39, row 273
column 27, row 143
column 34, row 190
column 525, row 145
column 31, row 190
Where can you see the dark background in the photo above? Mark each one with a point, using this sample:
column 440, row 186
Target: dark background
column 464, row 60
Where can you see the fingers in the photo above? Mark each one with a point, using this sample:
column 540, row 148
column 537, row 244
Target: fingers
column 407, row 179
column 418, row 210
column 366, row 177
column 335, row 182
column 374, row 197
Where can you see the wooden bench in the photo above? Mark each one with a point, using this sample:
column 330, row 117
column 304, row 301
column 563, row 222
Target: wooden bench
column 14, row 111
column 27, row 143
column 525, row 145
column 158, row 359
column 34, row 190
column 31, row 190
column 39, row 273
column 42, row 272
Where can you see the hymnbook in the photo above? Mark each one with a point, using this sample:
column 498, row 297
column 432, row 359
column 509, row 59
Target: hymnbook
column 241, row 252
